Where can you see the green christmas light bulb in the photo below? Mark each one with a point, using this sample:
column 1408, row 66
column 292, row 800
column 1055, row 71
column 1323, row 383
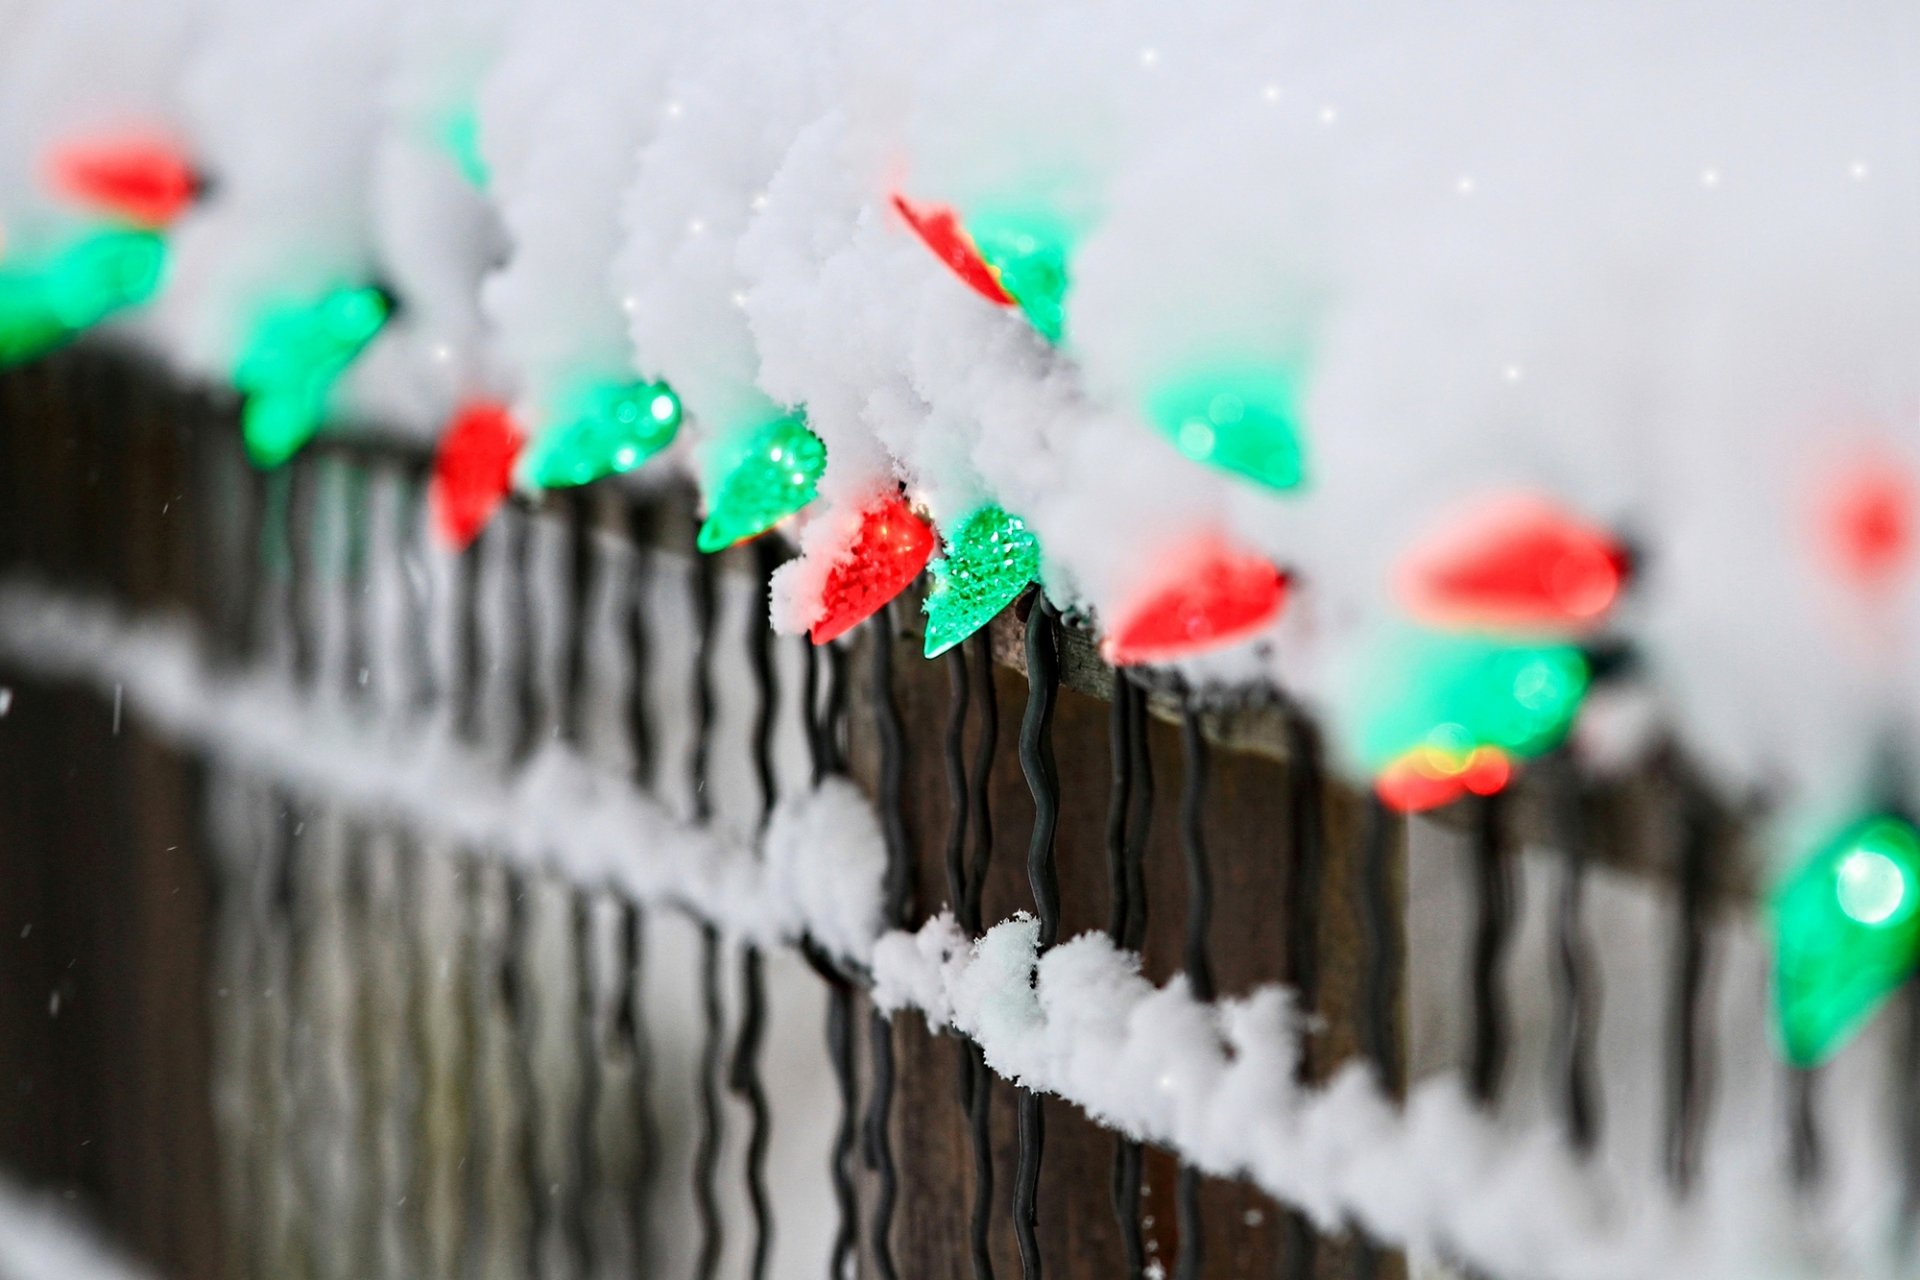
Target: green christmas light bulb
column 1846, row 933
column 991, row 557
column 778, row 472
column 1453, row 694
column 104, row 272
column 1028, row 253
column 45, row 303
column 1244, row 421
column 288, row 369
column 460, row 138
column 619, row 428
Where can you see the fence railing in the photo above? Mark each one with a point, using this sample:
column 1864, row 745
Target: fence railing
column 499, row 967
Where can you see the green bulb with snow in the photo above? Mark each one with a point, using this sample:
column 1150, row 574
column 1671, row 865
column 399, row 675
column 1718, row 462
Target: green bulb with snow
column 1244, row 421
column 1846, row 935
column 617, row 429
column 991, row 558
column 774, row 472
column 291, row 361
column 47, row 302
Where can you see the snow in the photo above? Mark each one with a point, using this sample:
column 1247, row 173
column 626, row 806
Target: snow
column 1214, row 1082
column 1650, row 258
column 41, row 1238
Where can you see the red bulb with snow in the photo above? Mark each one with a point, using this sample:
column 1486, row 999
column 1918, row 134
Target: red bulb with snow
column 939, row 229
column 1208, row 597
column 1518, row 564
column 889, row 548
column 139, row 178
column 1868, row 520
column 473, row 470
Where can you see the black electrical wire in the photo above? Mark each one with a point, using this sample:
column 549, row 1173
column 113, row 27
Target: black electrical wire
column 712, row 1050
column 1493, row 931
column 298, row 512
column 529, row 716
column 515, row 973
column 410, row 924
column 1685, row 1069
column 297, row 532
column 586, row 1129
column 981, row 1084
column 356, row 664
column 898, row 887
column 1306, row 815
column 630, row 1029
column 473, row 874
column 424, row 690
column 580, row 564
column 898, row 891
column 744, row 1078
column 629, row 1022
column 821, row 726
column 1198, row 959
column 1128, row 1168
column 840, row 1050
column 1043, row 877
column 980, row 783
column 963, row 795
column 377, row 1189
column 250, row 524
column 959, row 703
column 1124, row 1188
column 1574, row 1007
column 467, row 679
column 1907, row 1073
column 639, row 644
column 1037, row 764
column 575, row 675
column 1379, row 929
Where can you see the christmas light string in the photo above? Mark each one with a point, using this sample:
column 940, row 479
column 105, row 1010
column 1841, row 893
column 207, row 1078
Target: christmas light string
column 1506, row 596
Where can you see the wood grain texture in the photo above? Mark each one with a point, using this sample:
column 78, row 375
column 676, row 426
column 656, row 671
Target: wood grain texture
column 1246, row 829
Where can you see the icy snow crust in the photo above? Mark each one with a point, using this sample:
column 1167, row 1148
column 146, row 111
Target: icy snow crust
column 1214, row 1082
column 1655, row 258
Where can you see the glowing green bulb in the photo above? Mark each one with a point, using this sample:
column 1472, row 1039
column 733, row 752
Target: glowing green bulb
column 1454, row 694
column 1028, row 253
column 1244, row 421
column 619, row 428
column 460, row 138
column 288, row 368
column 778, row 472
column 45, row 303
column 1846, row 934
column 991, row 557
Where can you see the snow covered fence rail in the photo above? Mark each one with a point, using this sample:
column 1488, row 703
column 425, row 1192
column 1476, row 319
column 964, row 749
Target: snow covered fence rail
column 571, row 709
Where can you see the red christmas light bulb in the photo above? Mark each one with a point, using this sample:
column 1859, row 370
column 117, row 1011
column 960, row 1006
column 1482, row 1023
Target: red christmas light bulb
column 1209, row 598
column 1426, row 778
column 473, row 470
column 144, row 180
column 890, row 548
column 1518, row 564
column 1869, row 521
column 939, row 229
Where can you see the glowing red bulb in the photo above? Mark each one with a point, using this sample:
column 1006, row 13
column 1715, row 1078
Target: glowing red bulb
column 1208, row 598
column 939, row 228
column 1869, row 520
column 890, row 548
column 473, row 470
column 144, row 180
column 1518, row 564
column 1427, row 778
